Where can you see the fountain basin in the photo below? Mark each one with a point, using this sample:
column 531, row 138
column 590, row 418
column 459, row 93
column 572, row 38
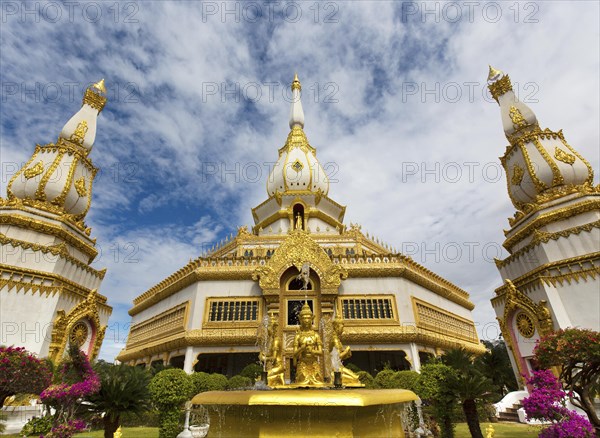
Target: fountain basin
column 296, row 413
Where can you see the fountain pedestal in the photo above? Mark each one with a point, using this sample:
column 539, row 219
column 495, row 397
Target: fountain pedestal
column 305, row 412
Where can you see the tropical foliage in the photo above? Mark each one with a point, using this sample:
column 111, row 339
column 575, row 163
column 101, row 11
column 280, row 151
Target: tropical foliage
column 21, row 372
column 123, row 389
column 546, row 403
column 169, row 389
column 577, row 353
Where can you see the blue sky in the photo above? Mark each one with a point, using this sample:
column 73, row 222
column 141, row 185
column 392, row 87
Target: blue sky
column 395, row 102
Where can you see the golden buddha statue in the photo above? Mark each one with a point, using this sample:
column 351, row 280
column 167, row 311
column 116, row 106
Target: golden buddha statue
column 349, row 378
column 275, row 355
column 307, row 350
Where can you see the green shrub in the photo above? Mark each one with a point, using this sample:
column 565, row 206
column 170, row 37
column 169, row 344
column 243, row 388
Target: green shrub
column 353, row 368
column 252, row 371
column 366, row 379
column 217, row 382
column 405, row 380
column 385, row 379
column 37, row 426
column 169, row 390
column 239, row 382
column 199, row 382
column 146, row 419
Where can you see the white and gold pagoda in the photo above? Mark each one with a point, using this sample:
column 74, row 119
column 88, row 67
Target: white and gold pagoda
column 206, row 315
column 551, row 276
column 48, row 290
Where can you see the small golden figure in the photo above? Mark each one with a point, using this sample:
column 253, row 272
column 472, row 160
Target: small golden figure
column 339, row 353
column 489, row 431
column 307, row 350
column 275, row 374
column 117, row 433
column 299, row 221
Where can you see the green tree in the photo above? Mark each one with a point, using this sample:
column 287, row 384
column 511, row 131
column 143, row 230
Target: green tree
column 22, row 373
column 577, row 352
column 123, row 389
column 432, row 388
column 468, row 385
column 495, row 364
column 169, row 389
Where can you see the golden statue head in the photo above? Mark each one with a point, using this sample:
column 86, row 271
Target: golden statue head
column 305, row 310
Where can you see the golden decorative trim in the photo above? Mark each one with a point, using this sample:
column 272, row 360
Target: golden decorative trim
column 544, row 237
column 517, row 118
column 228, row 303
column 547, row 218
column 436, row 319
column 57, row 250
column 500, row 87
column 557, row 178
column 9, row 193
column 537, row 182
column 40, row 193
column 47, row 228
column 94, row 100
column 35, row 282
column 561, row 155
column 165, row 324
column 525, row 325
column 590, row 179
column 34, row 170
column 372, row 311
column 538, row 313
column 60, row 199
column 80, row 187
column 517, row 175
column 299, row 248
column 79, row 135
column 64, row 322
column 296, row 84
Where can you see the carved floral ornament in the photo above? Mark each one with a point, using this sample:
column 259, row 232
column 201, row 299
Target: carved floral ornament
column 68, row 326
column 296, row 250
column 535, row 315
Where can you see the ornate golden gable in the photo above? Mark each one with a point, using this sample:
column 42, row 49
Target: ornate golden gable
column 299, row 248
column 538, row 312
column 64, row 322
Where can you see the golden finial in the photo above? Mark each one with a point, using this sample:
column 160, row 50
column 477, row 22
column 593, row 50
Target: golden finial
column 305, row 310
column 296, row 84
column 494, row 74
column 100, row 86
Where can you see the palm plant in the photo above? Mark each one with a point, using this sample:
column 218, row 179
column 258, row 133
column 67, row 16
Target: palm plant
column 124, row 389
column 468, row 385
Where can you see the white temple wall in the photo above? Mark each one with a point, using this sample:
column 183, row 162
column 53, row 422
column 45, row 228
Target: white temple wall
column 26, row 319
column 581, row 302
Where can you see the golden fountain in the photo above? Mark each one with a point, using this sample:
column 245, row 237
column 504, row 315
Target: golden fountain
column 310, row 406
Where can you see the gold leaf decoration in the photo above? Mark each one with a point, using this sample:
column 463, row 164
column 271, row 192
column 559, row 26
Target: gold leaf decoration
column 79, row 334
column 517, row 175
column 563, row 156
column 80, row 187
column 517, row 118
column 79, row 134
column 34, row 170
column 525, row 325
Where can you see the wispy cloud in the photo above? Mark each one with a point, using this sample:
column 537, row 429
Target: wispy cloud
column 395, row 103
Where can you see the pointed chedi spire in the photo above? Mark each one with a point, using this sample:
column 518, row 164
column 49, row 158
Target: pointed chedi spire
column 296, row 113
column 58, row 177
column 540, row 165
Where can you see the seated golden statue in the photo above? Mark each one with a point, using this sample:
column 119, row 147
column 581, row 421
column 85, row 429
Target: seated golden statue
column 307, row 350
column 275, row 373
column 349, row 378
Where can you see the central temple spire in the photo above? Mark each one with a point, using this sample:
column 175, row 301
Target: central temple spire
column 297, row 113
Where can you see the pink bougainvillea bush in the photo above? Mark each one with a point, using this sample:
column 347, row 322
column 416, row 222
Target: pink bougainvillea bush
column 546, row 403
column 21, row 373
column 76, row 380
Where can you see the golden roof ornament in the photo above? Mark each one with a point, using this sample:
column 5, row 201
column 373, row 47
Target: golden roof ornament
column 95, row 95
column 494, row 74
column 296, row 83
column 100, row 86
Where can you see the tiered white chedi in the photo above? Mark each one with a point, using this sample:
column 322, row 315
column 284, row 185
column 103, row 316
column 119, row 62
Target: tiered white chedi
column 48, row 290
column 551, row 276
column 205, row 316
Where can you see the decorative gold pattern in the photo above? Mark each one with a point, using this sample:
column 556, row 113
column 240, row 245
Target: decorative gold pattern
column 441, row 321
column 79, row 135
column 94, row 99
column 80, row 187
column 40, row 193
column 525, row 325
column 517, row 118
column 64, row 322
column 296, row 83
column 563, row 156
column 34, row 170
column 163, row 325
column 79, row 334
column 517, row 176
column 500, row 87
column 297, row 166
